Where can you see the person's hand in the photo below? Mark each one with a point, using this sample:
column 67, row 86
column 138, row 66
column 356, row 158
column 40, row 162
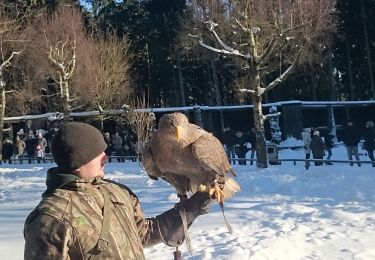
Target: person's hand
column 197, row 204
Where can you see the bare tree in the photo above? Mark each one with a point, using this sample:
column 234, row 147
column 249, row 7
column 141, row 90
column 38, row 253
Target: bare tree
column 107, row 68
column 140, row 120
column 266, row 37
column 87, row 72
column 11, row 46
column 61, row 40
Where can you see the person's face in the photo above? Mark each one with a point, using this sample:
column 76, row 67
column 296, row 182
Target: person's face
column 94, row 168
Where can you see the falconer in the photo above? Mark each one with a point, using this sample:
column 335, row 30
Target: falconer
column 84, row 216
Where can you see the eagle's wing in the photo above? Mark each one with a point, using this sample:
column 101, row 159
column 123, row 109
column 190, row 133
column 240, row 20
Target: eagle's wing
column 149, row 163
column 210, row 153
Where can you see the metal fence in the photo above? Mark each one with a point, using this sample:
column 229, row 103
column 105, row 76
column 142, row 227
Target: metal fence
column 136, row 158
column 279, row 161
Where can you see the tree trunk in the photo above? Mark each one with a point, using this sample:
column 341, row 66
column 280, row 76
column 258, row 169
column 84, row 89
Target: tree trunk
column 368, row 52
column 217, row 92
column 332, row 84
column 314, row 85
column 255, row 84
column 331, row 121
column 216, row 82
column 262, row 161
column 181, row 82
column 101, row 122
column 2, row 115
column 65, row 96
column 350, row 71
column 148, row 70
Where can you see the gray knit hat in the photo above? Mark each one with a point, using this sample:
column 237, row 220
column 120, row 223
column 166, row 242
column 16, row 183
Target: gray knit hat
column 76, row 144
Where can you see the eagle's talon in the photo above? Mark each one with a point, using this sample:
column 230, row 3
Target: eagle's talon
column 217, row 193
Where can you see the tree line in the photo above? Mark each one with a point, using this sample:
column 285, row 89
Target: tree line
column 98, row 54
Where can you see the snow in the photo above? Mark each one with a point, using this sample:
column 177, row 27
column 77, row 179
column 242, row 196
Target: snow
column 282, row 212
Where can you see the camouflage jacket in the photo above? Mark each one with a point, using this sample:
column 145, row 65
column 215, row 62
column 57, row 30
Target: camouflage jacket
column 67, row 223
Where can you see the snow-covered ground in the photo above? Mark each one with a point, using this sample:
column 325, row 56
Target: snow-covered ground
column 282, row 212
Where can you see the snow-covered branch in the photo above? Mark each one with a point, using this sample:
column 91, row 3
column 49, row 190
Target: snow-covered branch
column 269, row 116
column 245, row 90
column 51, row 95
column 221, row 51
column 222, row 44
column 12, row 91
column 285, row 74
column 53, row 60
column 242, row 27
column 7, row 61
column 268, row 50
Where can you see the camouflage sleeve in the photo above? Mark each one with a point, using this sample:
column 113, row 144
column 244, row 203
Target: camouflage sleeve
column 46, row 238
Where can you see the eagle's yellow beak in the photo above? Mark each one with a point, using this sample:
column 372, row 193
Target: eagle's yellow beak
column 179, row 130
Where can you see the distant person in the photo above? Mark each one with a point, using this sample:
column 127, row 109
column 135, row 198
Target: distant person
column 228, row 139
column 108, row 150
column 129, row 145
column 7, row 150
column 317, row 147
column 31, row 143
column 369, row 144
column 42, row 142
column 21, row 134
column 39, row 153
column 21, row 146
column 117, row 147
column 328, row 142
column 351, row 137
column 306, row 138
column 240, row 147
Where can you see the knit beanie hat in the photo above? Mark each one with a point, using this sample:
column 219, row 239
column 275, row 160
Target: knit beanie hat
column 76, row 144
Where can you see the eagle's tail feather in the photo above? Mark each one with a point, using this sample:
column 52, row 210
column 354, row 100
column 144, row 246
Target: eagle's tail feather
column 231, row 171
column 230, row 188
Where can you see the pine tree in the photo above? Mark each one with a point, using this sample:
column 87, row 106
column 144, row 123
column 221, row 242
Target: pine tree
column 274, row 126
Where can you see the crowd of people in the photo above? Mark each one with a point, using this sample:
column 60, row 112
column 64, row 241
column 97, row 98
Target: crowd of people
column 351, row 137
column 316, row 146
column 30, row 146
column 238, row 143
column 120, row 146
column 35, row 146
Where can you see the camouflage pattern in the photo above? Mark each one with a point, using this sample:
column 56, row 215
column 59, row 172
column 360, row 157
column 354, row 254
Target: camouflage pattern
column 67, row 223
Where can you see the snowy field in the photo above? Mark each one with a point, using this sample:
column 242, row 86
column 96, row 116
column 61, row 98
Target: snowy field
column 284, row 212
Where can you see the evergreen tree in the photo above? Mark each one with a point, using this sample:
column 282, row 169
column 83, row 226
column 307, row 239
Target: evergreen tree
column 274, row 125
